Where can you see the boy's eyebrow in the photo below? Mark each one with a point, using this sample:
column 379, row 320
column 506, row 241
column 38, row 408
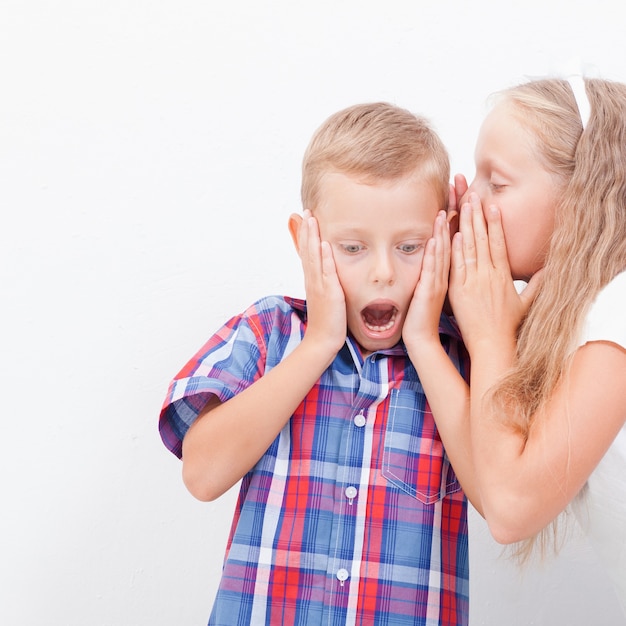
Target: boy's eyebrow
column 424, row 230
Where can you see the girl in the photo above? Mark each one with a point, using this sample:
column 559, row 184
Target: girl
column 548, row 383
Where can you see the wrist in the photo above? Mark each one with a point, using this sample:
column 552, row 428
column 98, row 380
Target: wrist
column 320, row 350
column 492, row 347
column 423, row 348
column 415, row 342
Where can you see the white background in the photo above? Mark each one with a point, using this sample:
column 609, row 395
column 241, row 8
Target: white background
column 149, row 159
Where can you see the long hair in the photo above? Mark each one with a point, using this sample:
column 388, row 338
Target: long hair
column 587, row 248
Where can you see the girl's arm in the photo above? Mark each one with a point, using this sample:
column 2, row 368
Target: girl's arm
column 445, row 389
column 227, row 439
column 525, row 483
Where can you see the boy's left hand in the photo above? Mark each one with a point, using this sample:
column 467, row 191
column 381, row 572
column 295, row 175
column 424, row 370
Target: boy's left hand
column 422, row 320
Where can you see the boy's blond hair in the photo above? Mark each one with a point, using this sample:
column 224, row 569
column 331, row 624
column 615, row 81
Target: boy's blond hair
column 375, row 141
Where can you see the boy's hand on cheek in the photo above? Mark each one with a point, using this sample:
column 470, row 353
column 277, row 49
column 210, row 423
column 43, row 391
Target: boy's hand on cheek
column 326, row 304
column 422, row 321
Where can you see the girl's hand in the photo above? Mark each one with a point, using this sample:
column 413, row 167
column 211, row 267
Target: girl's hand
column 486, row 304
column 326, row 304
column 422, row 320
column 460, row 188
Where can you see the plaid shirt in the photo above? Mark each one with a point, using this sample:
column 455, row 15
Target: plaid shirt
column 354, row 514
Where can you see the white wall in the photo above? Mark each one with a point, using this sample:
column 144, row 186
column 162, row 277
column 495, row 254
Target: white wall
column 149, row 159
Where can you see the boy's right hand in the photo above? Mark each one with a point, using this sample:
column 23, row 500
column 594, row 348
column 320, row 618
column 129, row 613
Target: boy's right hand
column 326, row 303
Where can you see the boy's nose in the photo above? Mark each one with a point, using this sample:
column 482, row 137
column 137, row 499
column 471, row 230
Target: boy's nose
column 383, row 270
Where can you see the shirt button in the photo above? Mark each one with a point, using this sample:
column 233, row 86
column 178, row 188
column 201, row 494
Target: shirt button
column 342, row 575
column 351, row 493
column 360, row 420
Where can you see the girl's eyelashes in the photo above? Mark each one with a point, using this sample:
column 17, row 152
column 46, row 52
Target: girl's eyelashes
column 495, row 187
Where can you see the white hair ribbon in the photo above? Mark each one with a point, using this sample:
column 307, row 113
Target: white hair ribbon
column 577, row 84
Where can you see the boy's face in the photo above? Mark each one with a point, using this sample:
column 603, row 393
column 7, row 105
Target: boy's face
column 377, row 233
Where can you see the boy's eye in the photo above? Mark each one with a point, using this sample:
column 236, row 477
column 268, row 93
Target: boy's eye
column 351, row 248
column 410, row 248
column 495, row 187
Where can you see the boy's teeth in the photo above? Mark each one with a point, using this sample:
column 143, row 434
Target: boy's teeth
column 377, row 321
column 379, row 328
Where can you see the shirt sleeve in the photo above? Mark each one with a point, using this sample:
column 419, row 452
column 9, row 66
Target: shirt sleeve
column 606, row 320
column 229, row 362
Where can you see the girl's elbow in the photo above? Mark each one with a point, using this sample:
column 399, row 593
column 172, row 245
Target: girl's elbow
column 511, row 524
column 506, row 534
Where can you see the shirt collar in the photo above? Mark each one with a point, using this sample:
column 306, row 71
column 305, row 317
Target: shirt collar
column 447, row 326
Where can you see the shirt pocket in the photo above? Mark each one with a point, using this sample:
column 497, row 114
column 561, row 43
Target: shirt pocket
column 414, row 459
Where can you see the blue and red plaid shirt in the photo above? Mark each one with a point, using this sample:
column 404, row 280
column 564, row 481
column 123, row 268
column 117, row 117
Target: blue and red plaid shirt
column 354, row 514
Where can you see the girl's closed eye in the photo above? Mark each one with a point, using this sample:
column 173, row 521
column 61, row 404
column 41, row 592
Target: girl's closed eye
column 496, row 187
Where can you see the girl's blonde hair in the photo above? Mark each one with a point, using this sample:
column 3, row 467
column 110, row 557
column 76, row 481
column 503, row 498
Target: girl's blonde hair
column 374, row 141
column 588, row 245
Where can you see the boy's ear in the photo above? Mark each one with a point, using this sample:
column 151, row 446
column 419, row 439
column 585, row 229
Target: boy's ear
column 455, row 193
column 294, row 228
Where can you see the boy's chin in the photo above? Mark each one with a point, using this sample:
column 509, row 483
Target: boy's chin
column 369, row 345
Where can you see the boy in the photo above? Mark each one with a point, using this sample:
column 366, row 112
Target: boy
column 349, row 512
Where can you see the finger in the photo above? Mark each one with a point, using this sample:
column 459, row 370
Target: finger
column 329, row 269
column 313, row 243
column 481, row 238
column 457, row 260
column 451, row 198
column 442, row 250
column 460, row 186
column 530, row 292
column 466, row 228
column 497, row 243
column 429, row 263
column 446, row 251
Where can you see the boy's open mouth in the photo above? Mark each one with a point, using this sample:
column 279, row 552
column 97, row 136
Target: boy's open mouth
column 379, row 317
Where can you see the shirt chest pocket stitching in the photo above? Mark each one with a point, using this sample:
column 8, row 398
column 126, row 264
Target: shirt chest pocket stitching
column 413, row 455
